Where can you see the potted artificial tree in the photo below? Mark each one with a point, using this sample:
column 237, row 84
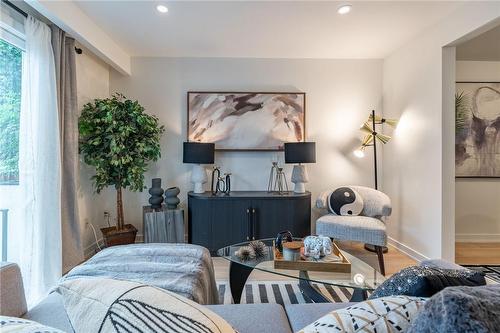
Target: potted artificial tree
column 118, row 139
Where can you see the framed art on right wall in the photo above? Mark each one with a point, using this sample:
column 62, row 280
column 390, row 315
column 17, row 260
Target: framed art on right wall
column 477, row 130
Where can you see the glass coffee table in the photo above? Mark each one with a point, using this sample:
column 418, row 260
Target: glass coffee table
column 362, row 278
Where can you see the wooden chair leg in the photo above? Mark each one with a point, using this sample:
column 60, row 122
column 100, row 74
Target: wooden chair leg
column 380, row 255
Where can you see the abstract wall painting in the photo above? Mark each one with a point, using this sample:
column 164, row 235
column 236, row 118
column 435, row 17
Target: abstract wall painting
column 477, row 130
column 246, row 121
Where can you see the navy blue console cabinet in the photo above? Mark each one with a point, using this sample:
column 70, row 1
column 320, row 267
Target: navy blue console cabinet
column 215, row 221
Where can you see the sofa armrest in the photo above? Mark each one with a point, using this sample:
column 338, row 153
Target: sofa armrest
column 12, row 299
column 440, row 263
column 321, row 200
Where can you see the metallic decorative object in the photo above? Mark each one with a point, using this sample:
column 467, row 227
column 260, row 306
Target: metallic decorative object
column 171, row 198
column 277, row 180
column 281, row 185
column 245, row 253
column 220, row 184
column 259, row 248
column 272, row 176
column 215, row 179
column 227, row 187
column 282, row 237
column 156, row 192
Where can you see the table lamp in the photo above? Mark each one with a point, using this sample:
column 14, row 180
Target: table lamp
column 300, row 152
column 198, row 153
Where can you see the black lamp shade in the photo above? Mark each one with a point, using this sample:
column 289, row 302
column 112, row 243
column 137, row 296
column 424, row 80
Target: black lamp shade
column 198, row 153
column 300, row 152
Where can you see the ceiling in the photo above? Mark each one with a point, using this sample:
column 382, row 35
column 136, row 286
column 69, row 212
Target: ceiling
column 264, row 29
column 485, row 47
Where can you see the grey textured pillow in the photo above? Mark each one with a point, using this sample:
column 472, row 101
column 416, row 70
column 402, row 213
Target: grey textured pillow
column 460, row 309
column 425, row 281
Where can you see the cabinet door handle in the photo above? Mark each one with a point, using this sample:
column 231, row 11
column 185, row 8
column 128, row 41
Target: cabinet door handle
column 253, row 223
column 249, row 228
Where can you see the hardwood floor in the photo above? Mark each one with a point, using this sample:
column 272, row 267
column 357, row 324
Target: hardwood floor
column 394, row 262
column 477, row 253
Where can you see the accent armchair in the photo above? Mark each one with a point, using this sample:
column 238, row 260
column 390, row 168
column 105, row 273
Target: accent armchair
column 368, row 227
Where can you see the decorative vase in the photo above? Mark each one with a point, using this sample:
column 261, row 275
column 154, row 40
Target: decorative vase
column 171, row 198
column 156, row 192
column 282, row 237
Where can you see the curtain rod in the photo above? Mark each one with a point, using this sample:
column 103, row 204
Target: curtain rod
column 23, row 13
column 17, row 9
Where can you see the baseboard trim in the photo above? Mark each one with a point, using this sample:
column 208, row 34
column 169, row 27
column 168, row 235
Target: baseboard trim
column 415, row 255
column 477, row 238
column 92, row 249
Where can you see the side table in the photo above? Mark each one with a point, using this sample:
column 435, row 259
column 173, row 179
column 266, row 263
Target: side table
column 163, row 225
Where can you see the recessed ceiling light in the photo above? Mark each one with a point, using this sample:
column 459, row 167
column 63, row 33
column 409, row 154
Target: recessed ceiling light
column 344, row 9
column 162, row 9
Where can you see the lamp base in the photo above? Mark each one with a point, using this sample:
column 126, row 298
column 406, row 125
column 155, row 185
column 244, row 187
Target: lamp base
column 299, row 178
column 198, row 178
column 299, row 188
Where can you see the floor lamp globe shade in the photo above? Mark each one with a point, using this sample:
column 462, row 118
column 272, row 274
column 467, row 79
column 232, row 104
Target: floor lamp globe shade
column 300, row 152
column 198, row 153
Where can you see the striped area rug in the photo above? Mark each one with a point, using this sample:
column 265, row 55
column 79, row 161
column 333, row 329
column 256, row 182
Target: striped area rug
column 281, row 292
column 491, row 272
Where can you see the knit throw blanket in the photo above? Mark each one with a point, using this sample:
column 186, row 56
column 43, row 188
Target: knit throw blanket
column 181, row 268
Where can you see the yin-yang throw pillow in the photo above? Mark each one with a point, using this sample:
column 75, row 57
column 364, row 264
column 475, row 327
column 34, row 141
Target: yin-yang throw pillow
column 345, row 201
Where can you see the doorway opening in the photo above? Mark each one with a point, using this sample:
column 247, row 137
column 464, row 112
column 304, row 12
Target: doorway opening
column 477, row 149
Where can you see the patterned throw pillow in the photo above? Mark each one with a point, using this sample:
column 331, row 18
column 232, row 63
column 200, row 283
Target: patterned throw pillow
column 389, row 314
column 425, row 281
column 105, row 305
column 18, row 325
column 345, row 201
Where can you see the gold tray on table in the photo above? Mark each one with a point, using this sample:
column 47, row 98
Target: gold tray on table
column 329, row 263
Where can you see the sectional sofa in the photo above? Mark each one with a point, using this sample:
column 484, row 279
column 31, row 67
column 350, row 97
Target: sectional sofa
column 245, row 318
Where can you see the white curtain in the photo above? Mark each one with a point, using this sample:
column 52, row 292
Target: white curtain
column 39, row 166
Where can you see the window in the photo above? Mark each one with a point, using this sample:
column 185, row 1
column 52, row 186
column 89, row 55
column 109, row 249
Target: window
column 10, row 107
column 12, row 46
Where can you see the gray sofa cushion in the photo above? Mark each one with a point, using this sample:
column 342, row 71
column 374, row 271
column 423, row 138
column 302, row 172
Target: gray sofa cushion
column 251, row 318
column 245, row 318
column 50, row 312
column 301, row 315
column 460, row 309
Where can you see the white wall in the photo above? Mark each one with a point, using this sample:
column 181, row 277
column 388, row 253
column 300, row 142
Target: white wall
column 416, row 177
column 477, row 211
column 92, row 76
column 339, row 97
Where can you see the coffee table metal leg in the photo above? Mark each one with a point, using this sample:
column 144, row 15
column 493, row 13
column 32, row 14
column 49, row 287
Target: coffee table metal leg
column 238, row 275
column 359, row 295
column 309, row 290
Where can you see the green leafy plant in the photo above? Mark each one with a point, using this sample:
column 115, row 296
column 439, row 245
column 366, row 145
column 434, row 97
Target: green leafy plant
column 118, row 139
column 461, row 110
column 10, row 107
